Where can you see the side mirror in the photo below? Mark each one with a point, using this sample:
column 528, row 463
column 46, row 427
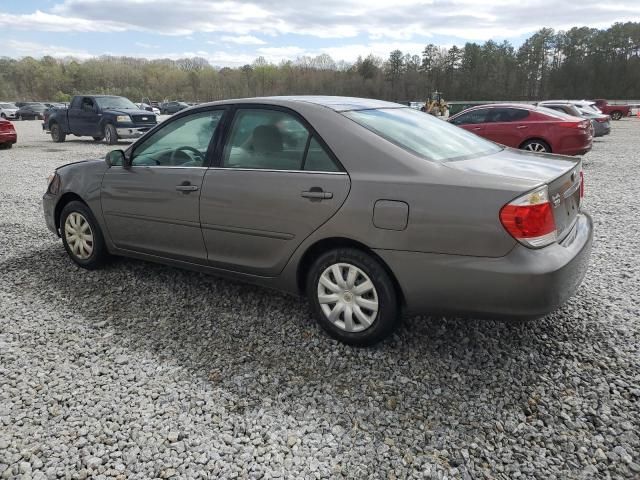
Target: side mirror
column 116, row 158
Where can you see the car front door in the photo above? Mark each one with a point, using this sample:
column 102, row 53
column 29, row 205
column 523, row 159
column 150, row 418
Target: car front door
column 472, row 121
column 275, row 183
column 153, row 206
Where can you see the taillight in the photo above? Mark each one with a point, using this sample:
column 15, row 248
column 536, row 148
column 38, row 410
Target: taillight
column 602, row 120
column 574, row 124
column 529, row 219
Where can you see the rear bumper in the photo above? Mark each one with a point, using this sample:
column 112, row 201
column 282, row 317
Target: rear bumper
column 525, row 283
column 133, row 132
column 8, row 138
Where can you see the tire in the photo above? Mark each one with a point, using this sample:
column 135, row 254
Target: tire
column 88, row 251
column 376, row 302
column 57, row 135
column 536, row 146
column 98, row 139
column 110, row 134
column 2, row 115
column 20, row 117
column 616, row 115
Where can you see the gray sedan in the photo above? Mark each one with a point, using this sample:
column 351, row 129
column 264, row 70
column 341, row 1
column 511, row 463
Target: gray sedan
column 370, row 209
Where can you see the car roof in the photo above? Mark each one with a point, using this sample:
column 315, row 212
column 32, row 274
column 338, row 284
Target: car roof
column 525, row 106
column 338, row 104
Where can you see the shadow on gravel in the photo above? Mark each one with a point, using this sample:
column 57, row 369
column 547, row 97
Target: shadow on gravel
column 260, row 344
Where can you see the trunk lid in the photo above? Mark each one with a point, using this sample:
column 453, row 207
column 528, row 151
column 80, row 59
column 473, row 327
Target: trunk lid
column 561, row 174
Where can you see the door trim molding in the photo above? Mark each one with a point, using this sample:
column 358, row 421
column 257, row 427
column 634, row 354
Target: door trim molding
column 249, row 231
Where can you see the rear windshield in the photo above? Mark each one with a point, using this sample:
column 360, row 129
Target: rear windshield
column 423, row 134
column 553, row 113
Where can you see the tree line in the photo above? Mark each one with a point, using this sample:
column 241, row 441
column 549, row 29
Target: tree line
column 579, row 63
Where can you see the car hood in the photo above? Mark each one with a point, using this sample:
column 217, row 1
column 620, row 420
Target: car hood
column 517, row 164
column 124, row 111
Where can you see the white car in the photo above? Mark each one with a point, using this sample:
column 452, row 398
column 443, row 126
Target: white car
column 145, row 106
column 8, row 111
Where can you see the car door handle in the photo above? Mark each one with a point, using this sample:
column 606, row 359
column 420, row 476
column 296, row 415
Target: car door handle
column 520, row 127
column 186, row 188
column 477, row 128
column 317, row 194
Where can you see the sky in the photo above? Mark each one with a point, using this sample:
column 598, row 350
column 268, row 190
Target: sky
column 235, row 32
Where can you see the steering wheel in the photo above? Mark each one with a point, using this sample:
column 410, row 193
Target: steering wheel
column 183, row 150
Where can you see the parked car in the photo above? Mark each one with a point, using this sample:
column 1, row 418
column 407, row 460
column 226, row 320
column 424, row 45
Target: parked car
column 8, row 135
column 615, row 111
column 148, row 108
column 8, row 110
column 32, row 111
column 528, row 127
column 599, row 121
column 99, row 116
column 169, row 108
column 370, row 208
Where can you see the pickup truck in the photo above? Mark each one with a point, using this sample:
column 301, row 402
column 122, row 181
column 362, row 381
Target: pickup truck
column 615, row 111
column 105, row 117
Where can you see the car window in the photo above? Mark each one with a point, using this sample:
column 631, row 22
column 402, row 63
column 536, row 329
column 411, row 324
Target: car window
column 266, row 139
column 474, row 116
column 423, row 135
column 505, row 115
column 183, row 142
column 318, row 160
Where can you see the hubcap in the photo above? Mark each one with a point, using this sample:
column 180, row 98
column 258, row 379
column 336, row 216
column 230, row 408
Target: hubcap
column 348, row 297
column 79, row 236
column 536, row 147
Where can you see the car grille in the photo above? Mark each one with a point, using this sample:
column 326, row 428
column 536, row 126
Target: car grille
column 151, row 118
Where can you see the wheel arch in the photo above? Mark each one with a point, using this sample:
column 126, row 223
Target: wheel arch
column 539, row 139
column 326, row 244
column 64, row 200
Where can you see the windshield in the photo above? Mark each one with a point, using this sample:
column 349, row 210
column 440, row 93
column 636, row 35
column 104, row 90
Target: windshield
column 115, row 103
column 7, row 105
column 423, row 134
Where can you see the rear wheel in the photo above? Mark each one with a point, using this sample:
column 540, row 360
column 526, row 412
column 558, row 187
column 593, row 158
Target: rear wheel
column 110, row 134
column 353, row 297
column 2, row 115
column 616, row 115
column 57, row 135
column 20, row 117
column 81, row 236
column 536, row 145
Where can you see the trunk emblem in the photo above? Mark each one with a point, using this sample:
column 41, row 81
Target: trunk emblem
column 555, row 199
column 144, row 118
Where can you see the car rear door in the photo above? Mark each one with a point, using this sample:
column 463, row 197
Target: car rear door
column 507, row 126
column 153, row 207
column 275, row 183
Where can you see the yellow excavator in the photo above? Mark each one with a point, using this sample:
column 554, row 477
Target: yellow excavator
column 436, row 105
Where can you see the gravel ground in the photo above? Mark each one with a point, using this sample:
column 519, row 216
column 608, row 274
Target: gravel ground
column 143, row 371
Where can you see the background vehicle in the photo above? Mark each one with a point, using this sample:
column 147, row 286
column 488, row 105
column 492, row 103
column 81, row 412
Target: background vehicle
column 148, row 108
column 8, row 110
column 31, row 111
column 528, row 127
column 8, row 135
column 615, row 111
column 599, row 121
column 169, row 108
column 99, row 116
column 368, row 207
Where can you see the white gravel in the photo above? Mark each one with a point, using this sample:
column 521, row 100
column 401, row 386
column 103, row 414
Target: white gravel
column 141, row 371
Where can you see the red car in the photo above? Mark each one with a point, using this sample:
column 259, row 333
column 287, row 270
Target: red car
column 528, row 127
column 8, row 134
column 615, row 111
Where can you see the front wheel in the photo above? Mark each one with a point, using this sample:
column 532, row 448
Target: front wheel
column 110, row 134
column 616, row 115
column 536, row 146
column 57, row 135
column 2, row 115
column 81, row 236
column 353, row 297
